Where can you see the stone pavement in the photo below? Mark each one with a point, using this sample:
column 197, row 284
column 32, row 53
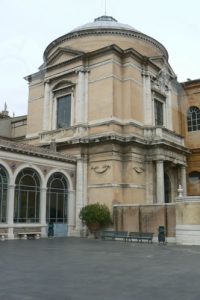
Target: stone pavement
column 86, row 269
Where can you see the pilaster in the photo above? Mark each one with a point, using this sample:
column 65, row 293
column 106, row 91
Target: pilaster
column 43, row 211
column 169, row 124
column 71, row 212
column 148, row 113
column 149, row 182
column 82, row 97
column 183, row 180
column 81, row 196
column 160, row 181
column 46, row 107
column 10, row 210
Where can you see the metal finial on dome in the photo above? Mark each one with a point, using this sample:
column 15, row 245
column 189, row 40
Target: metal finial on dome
column 5, row 106
column 105, row 18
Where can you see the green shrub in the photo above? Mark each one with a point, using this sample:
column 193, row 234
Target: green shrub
column 95, row 214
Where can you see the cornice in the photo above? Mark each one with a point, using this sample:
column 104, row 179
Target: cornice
column 117, row 138
column 30, row 150
column 92, row 54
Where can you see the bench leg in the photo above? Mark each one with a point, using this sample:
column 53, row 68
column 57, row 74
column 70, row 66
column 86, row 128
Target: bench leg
column 24, row 237
column 37, row 237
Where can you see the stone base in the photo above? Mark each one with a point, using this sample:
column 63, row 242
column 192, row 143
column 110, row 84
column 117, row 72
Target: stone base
column 77, row 232
column 188, row 234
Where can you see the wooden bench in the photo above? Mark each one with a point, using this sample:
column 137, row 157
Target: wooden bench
column 133, row 236
column 121, row 235
column 108, row 234
column 114, row 234
column 140, row 236
column 25, row 235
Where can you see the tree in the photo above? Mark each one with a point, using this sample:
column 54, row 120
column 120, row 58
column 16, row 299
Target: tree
column 96, row 216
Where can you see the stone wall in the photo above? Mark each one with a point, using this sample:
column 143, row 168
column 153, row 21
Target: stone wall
column 188, row 220
column 145, row 218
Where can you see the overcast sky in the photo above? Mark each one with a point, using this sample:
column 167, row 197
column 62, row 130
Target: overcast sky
column 28, row 26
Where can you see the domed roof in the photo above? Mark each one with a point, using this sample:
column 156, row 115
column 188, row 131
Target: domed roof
column 104, row 22
column 111, row 31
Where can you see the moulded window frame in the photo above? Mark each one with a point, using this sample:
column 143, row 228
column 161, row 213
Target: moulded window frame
column 191, row 120
column 57, row 98
column 53, row 192
column 27, row 189
column 163, row 102
column 3, row 193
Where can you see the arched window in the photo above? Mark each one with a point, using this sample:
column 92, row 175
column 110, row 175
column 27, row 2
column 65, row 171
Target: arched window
column 27, row 196
column 57, row 194
column 193, row 118
column 3, row 194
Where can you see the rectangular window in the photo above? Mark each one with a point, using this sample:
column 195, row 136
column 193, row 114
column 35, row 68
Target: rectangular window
column 158, row 110
column 64, row 111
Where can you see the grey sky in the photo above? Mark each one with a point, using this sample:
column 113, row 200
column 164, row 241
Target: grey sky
column 28, row 26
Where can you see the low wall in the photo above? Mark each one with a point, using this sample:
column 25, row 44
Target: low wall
column 145, row 218
column 188, row 220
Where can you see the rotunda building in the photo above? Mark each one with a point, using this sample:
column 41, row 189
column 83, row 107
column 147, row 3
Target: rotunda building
column 106, row 94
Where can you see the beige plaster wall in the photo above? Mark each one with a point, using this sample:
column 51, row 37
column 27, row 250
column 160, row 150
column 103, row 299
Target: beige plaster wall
column 35, row 107
column 100, row 103
column 126, row 218
column 35, row 116
column 110, row 169
column 134, row 195
column 193, row 166
column 176, row 116
column 191, row 97
column 93, row 42
column 187, row 213
column 105, row 195
column 145, row 218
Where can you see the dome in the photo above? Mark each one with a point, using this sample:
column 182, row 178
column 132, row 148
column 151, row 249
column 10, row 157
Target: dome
column 106, row 22
column 105, row 31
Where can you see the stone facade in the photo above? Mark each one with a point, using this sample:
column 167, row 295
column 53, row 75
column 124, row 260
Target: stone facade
column 191, row 100
column 106, row 95
column 114, row 76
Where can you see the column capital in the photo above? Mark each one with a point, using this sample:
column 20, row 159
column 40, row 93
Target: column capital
column 145, row 73
column 82, row 70
column 47, row 81
column 183, row 166
column 82, row 158
column 160, row 161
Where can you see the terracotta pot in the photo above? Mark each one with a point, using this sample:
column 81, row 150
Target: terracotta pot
column 94, row 227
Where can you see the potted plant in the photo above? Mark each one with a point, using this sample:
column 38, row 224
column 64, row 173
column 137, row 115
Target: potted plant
column 96, row 216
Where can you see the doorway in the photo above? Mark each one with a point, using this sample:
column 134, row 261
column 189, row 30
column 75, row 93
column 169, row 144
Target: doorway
column 167, row 187
column 57, row 202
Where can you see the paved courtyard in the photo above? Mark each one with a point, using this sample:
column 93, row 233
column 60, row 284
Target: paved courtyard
column 73, row 269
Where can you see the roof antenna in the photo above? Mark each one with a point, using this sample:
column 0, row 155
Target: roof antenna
column 105, row 8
